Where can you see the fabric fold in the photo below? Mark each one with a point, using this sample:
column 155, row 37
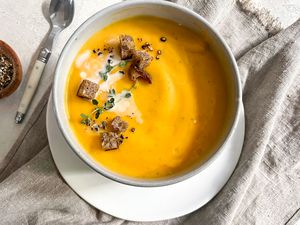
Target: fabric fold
column 264, row 188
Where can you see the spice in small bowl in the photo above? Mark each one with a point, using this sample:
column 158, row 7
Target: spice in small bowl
column 10, row 70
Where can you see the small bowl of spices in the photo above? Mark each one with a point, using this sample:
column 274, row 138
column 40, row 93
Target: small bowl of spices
column 10, row 70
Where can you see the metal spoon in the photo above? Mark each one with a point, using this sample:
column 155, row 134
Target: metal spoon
column 61, row 15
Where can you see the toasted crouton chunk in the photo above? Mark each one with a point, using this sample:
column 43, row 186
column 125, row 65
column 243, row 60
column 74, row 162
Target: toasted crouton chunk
column 119, row 125
column 127, row 46
column 87, row 89
column 110, row 141
column 135, row 73
column 141, row 59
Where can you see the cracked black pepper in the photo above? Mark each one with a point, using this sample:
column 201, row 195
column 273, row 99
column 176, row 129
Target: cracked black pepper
column 6, row 71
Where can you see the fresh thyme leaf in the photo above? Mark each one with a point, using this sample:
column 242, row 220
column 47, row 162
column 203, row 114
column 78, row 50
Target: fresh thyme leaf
column 85, row 119
column 127, row 95
column 134, row 86
column 108, row 105
column 97, row 114
column 123, row 63
column 109, row 68
column 84, row 116
column 103, row 75
column 111, row 100
column 95, row 102
column 111, row 93
column 98, row 111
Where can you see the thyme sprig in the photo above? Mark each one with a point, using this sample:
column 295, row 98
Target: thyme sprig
column 109, row 104
column 134, row 86
column 85, row 119
column 109, row 68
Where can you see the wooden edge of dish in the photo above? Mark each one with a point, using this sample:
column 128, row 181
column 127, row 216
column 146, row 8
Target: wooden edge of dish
column 17, row 77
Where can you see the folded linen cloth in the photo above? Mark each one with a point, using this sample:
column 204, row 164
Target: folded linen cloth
column 265, row 187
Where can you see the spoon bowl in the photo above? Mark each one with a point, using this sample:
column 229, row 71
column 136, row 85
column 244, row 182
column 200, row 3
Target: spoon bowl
column 61, row 13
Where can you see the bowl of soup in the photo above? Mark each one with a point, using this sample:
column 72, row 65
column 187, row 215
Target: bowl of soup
column 146, row 93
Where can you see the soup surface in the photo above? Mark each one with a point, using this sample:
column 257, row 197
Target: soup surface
column 175, row 122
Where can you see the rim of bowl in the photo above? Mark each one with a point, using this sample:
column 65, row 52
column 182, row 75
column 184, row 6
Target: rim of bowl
column 170, row 180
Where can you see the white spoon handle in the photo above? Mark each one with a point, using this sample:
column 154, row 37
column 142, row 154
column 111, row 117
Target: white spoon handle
column 32, row 84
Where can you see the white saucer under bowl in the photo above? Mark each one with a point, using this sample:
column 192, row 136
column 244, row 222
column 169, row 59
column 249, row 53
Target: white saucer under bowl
column 143, row 203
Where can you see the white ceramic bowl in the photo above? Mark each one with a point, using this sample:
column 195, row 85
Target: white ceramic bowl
column 115, row 13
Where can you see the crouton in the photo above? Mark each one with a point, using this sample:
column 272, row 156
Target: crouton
column 87, row 89
column 127, row 46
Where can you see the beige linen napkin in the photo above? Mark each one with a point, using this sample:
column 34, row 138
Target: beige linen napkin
column 265, row 187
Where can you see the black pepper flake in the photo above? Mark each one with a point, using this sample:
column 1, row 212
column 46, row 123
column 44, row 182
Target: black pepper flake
column 109, row 61
column 99, row 53
column 122, row 72
column 144, row 46
column 109, row 49
column 157, row 57
column 163, row 39
column 94, row 51
column 158, row 52
column 121, row 136
column 132, row 129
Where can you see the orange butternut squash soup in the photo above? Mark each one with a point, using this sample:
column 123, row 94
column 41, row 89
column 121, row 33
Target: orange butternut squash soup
column 148, row 98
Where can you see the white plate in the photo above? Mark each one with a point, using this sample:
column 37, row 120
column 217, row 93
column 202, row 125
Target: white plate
column 143, row 204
